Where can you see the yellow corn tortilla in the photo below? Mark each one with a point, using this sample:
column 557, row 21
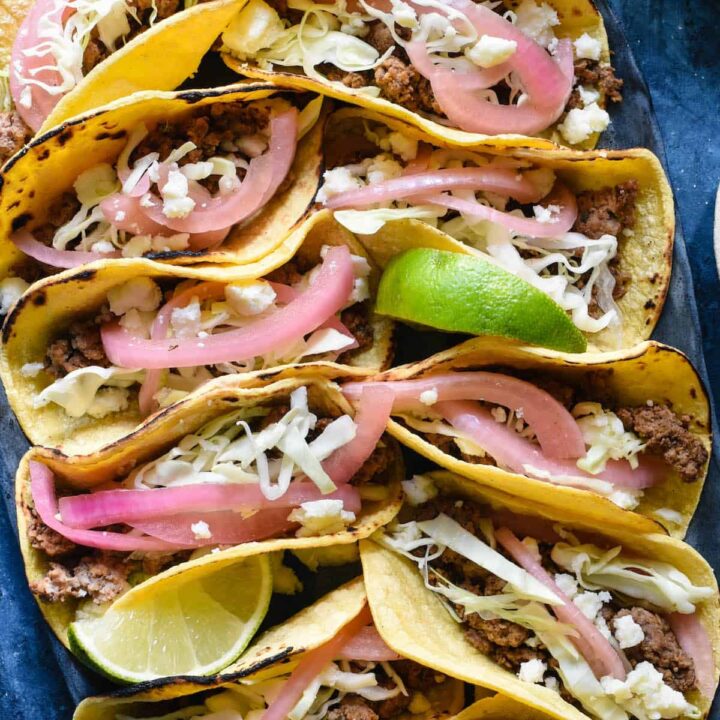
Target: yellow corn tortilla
column 415, row 624
column 649, row 371
column 163, row 431
column 576, row 17
column 50, row 164
column 55, row 302
column 275, row 652
column 645, row 256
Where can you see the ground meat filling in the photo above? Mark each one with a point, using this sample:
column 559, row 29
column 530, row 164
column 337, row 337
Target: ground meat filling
column 45, row 539
column 100, row 577
column 415, row 677
column 592, row 73
column 14, row 133
column 356, row 319
column 660, row 648
column 666, row 434
column 608, row 211
column 80, row 347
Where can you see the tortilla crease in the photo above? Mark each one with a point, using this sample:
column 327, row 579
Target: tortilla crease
column 55, row 302
column 576, row 17
column 275, row 652
column 645, row 256
column 159, row 434
column 50, row 164
column 649, row 371
column 415, row 624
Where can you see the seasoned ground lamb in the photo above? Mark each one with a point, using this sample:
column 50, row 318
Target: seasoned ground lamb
column 608, row 211
column 100, row 577
column 43, row 538
column 80, row 347
column 14, row 133
column 357, row 320
column 60, row 212
column 667, row 435
column 401, row 83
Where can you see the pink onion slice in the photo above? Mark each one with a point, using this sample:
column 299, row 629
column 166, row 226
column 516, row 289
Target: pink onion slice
column 421, row 161
column 325, row 297
column 159, row 330
column 695, row 641
column 371, row 417
column 49, row 255
column 28, row 63
column 42, row 488
column 517, row 453
column 224, row 527
column 557, row 431
column 311, row 665
column 560, row 224
column 502, row 181
column 367, row 645
column 108, row 507
column 595, row 648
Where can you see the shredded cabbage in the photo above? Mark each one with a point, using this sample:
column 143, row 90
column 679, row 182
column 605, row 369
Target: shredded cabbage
column 6, row 101
column 658, row 583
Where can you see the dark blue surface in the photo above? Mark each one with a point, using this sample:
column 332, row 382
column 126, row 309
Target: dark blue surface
column 678, row 49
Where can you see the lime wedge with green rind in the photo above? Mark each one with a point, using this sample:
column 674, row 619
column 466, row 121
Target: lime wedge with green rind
column 467, row 294
column 193, row 623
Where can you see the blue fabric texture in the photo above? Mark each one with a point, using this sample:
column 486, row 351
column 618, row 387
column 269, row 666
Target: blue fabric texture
column 678, row 51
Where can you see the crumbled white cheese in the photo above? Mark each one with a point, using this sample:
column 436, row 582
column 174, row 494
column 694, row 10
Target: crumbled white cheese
column 102, row 246
column 383, row 168
column 11, row 288
column 31, row 369
column 185, row 321
column 429, row 397
column 490, row 51
column 197, row 171
column 644, row 690
column 250, row 298
column 626, row 499
column 590, row 603
column 551, row 682
column 627, row 632
column 137, row 322
column 140, row 293
column 336, row 181
column 419, row 489
column 537, row 21
column 581, row 123
column 109, row 400
column 567, row 583
column 588, row 95
column 587, row 47
column 321, row 517
column 532, row 671
column 201, row 530
column 171, row 243
column 176, row 203
column 137, row 246
column 403, row 146
column 499, row 414
column 547, row 214
column 325, row 341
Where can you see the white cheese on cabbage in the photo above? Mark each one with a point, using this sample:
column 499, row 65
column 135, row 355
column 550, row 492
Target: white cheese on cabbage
column 250, row 298
column 490, row 51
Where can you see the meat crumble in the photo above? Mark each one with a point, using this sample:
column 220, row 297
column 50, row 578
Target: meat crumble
column 14, row 133
column 80, row 347
column 608, row 211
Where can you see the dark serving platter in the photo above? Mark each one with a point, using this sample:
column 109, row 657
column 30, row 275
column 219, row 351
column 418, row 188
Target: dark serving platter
column 40, row 680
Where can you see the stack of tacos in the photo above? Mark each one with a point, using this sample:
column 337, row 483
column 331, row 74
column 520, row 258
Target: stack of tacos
column 258, row 488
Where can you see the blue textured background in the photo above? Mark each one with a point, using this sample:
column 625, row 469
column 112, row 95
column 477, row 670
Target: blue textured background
column 677, row 47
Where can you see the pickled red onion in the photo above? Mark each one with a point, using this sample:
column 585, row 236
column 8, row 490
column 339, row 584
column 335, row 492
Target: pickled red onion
column 29, row 63
column 327, row 295
column 694, row 640
column 517, row 453
column 595, row 648
column 42, row 488
column 159, row 330
column 508, row 183
column 311, row 665
column 49, row 255
column 556, row 429
column 224, row 527
column 371, row 417
column 264, row 175
column 108, row 507
column 558, row 225
column 367, row 645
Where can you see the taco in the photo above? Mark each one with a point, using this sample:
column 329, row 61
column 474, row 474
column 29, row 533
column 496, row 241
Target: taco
column 203, row 178
column 224, row 475
column 61, row 58
column 594, row 232
column 75, row 343
column 608, row 432
column 358, row 677
column 472, row 73
column 536, row 602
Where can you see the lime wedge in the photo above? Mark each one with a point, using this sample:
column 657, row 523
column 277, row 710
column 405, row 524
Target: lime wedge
column 465, row 294
column 193, row 623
